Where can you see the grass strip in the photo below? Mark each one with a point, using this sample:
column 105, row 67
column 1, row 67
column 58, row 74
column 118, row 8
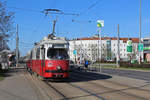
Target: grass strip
column 1, row 77
column 2, row 74
column 115, row 67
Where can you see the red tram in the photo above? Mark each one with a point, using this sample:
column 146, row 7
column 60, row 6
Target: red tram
column 49, row 58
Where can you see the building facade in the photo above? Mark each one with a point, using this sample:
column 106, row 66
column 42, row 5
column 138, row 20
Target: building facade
column 94, row 49
column 146, row 52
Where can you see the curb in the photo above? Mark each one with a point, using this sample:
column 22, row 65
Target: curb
column 129, row 69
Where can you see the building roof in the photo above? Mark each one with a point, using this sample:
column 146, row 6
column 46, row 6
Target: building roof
column 134, row 40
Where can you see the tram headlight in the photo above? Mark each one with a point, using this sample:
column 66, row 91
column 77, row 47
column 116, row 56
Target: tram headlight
column 58, row 67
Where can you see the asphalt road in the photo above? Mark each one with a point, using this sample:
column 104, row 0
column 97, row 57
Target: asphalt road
column 142, row 75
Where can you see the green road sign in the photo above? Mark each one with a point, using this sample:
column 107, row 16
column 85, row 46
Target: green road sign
column 140, row 47
column 129, row 48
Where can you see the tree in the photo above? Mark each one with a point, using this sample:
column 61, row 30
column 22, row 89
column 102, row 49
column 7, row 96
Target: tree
column 5, row 25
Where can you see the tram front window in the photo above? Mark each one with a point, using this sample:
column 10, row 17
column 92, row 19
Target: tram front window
column 54, row 53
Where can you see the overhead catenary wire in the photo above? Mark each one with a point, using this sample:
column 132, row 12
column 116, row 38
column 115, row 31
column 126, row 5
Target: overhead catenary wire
column 25, row 9
column 25, row 43
column 51, row 11
column 90, row 7
column 22, row 45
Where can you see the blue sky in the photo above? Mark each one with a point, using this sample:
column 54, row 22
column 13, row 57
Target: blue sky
column 33, row 26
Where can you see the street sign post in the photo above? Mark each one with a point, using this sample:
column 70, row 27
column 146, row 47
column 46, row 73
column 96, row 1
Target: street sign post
column 100, row 24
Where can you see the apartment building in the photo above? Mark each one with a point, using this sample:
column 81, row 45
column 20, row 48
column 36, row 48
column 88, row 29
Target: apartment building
column 146, row 52
column 106, row 48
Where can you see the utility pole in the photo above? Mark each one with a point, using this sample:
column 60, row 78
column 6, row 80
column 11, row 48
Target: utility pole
column 17, row 42
column 100, row 24
column 2, row 43
column 100, row 34
column 99, row 49
column 118, row 48
column 140, row 34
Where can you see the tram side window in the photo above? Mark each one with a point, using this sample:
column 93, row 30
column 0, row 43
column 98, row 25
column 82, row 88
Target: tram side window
column 38, row 53
column 31, row 55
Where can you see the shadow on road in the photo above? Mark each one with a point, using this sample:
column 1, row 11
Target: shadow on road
column 80, row 76
column 3, row 73
column 10, row 72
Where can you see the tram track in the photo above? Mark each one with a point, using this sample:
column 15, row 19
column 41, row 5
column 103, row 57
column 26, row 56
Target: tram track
column 60, row 93
column 72, row 89
column 87, row 91
column 116, row 83
column 112, row 90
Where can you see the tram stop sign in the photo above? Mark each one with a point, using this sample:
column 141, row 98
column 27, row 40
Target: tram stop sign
column 140, row 47
column 74, row 52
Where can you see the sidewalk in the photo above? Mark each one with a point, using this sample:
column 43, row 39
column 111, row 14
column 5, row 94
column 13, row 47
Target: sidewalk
column 16, row 87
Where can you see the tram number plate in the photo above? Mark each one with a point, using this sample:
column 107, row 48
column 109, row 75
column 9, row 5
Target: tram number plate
column 59, row 75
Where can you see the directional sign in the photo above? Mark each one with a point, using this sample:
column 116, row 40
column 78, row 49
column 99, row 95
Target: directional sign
column 129, row 48
column 140, row 47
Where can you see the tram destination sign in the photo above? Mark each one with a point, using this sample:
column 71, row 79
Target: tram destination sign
column 59, row 45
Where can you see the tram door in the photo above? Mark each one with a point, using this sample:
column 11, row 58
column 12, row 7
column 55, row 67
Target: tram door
column 43, row 58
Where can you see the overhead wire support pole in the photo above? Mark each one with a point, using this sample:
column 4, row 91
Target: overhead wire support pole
column 118, row 48
column 140, row 33
column 99, row 48
column 17, row 42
